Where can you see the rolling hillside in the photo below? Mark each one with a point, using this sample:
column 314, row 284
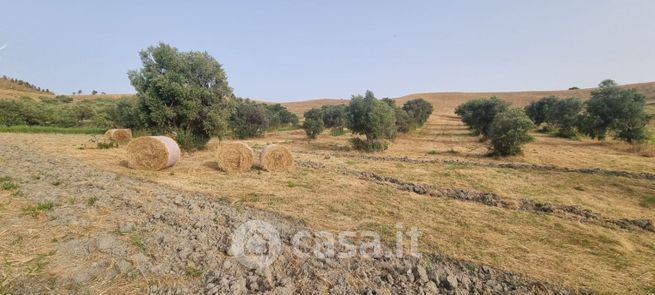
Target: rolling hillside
column 445, row 102
column 11, row 89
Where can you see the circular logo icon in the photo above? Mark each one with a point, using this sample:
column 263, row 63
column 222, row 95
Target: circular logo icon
column 255, row 244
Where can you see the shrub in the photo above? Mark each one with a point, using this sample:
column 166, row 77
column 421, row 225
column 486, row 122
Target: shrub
column 369, row 145
column 125, row 114
column 478, row 114
column 419, row 110
column 182, row 91
column 249, row 120
column 538, row 110
column 278, row 115
column 564, row 116
column 404, row 122
column 371, row 117
column 509, row 131
column 617, row 111
column 335, row 117
column 313, row 124
column 189, row 141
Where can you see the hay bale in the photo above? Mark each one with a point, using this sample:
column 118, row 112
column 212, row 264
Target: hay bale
column 119, row 134
column 234, row 157
column 152, row 153
column 276, row 158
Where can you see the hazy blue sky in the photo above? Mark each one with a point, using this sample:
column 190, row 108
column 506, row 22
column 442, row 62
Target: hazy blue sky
column 290, row 50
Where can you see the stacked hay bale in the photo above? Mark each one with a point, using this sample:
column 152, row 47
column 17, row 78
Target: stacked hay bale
column 152, row 153
column 234, row 157
column 120, row 135
column 276, row 158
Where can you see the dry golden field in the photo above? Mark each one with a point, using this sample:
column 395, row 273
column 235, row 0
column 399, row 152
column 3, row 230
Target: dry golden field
column 327, row 190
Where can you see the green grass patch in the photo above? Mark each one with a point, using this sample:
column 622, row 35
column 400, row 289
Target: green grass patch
column 7, row 184
column 34, row 210
column 91, row 201
column 50, row 129
column 648, row 201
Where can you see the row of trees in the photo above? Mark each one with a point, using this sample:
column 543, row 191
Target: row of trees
column 611, row 110
column 26, row 84
column 506, row 128
column 378, row 120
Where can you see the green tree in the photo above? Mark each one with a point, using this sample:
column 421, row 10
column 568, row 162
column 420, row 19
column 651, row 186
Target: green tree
column 617, row 111
column 373, row 118
column 335, row 117
column 186, row 92
column 509, row 131
column 478, row 114
column 313, row 124
column 125, row 114
column 564, row 115
column 538, row 110
column 249, row 120
column 419, row 110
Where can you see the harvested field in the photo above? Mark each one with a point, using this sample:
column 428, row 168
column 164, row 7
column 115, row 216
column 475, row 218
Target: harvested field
column 517, row 214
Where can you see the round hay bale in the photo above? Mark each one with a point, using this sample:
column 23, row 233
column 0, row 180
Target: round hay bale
column 119, row 134
column 234, row 157
column 276, row 158
column 152, row 153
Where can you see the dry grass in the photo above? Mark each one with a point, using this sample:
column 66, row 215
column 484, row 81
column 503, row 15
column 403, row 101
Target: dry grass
column 543, row 246
column 547, row 247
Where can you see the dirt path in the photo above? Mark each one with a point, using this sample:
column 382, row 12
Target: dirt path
column 100, row 232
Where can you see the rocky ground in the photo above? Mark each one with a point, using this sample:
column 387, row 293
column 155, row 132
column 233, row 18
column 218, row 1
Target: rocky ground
column 114, row 231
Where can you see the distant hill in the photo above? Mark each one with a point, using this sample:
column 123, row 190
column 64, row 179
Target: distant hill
column 14, row 88
column 446, row 102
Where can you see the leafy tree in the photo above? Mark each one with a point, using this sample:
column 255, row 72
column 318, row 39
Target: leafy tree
column 83, row 111
column 478, row 114
column 419, row 110
column 335, row 117
column 250, row 120
column 94, row 92
column 617, row 111
column 564, row 115
column 404, row 122
column 125, row 114
column 79, row 91
column 371, row 117
column 186, row 92
column 538, row 110
column 313, row 124
column 280, row 115
column 509, row 131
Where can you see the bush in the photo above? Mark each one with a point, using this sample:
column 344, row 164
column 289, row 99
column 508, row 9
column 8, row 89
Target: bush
column 538, row 110
column 419, row 110
column 564, row 115
column 278, row 116
column 189, row 141
column 249, row 120
column 616, row 111
column 369, row 145
column 335, row 117
column 478, row 114
column 182, row 91
column 125, row 114
column 509, row 131
column 313, row 124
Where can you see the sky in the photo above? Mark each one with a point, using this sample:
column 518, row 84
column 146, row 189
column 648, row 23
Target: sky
column 296, row 50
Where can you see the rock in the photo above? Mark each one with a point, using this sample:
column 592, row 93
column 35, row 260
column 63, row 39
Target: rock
column 450, row 282
column 422, row 274
column 431, row 288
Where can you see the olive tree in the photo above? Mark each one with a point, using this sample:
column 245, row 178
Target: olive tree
column 509, row 131
column 373, row 118
column 617, row 111
column 478, row 114
column 313, row 124
column 182, row 92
